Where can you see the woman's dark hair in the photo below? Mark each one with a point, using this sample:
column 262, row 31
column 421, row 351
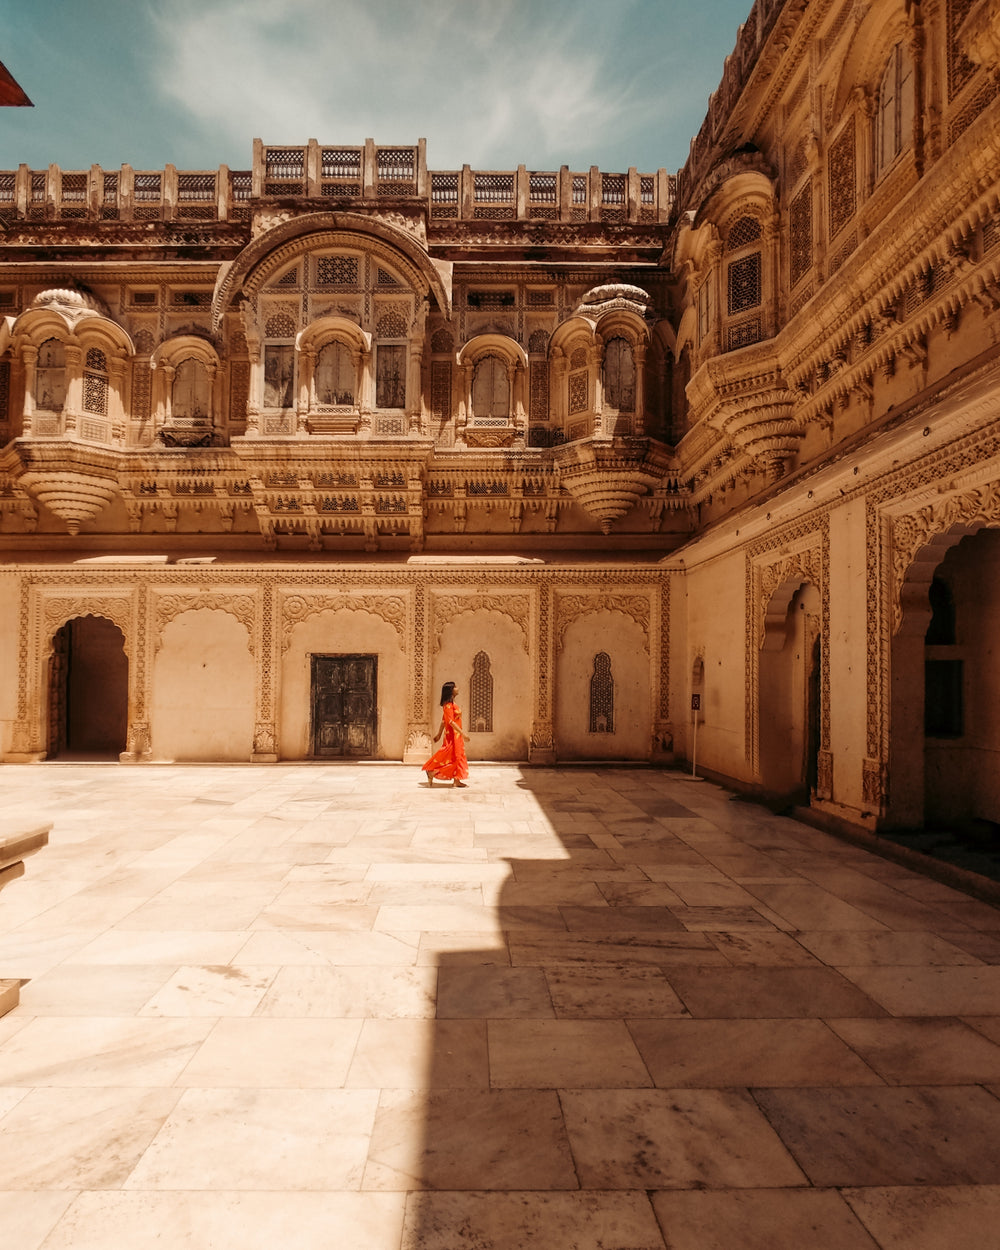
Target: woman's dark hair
column 447, row 692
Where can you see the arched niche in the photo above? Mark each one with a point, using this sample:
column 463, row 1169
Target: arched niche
column 788, row 691
column 88, row 688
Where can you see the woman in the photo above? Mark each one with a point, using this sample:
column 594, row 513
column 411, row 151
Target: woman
column 449, row 762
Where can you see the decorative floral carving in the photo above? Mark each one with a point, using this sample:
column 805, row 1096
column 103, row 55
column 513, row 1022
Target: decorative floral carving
column 204, row 597
column 448, row 607
column 570, row 607
column 297, row 608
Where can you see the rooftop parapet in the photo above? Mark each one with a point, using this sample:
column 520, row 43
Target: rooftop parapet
column 365, row 173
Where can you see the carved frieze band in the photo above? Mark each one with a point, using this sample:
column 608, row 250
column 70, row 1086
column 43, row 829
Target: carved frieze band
column 569, row 607
column 448, row 607
column 298, row 608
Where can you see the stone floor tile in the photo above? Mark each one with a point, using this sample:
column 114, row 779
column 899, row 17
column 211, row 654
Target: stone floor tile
column 463, row 1139
column 10, row 1096
column 512, row 1221
column 988, row 1026
column 26, row 1218
column 925, row 1051
column 809, row 907
column 620, row 918
column 461, row 948
column 674, row 1139
column 295, row 1220
column 217, row 990
column 420, row 1054
column 930, row 1218
column 309, row 990
column 466, row 993
column 720, row 1053
column 152, row 946
column 344, row 948
column 260, row 1139
column 58, row 1138
column 614, row 993
column 87, row 1051
column 93, row 990
column 273, row 1054
column 635, row 894
column 885, row 949
column 724, row 919
column 760, row 1219
column 407, row 893
column 889, row 1136
column 713, row 894
column 640, row 948
column 564, row 1054
column 956, row 991
column 769, row 993
column 755, row 948
column 984, row 946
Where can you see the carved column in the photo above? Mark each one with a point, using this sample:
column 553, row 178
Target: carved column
column 418, row 738
column 542, row 747
column 366, row 373
column 414, row 394
column 167, row 394
column 138, row 742
column 307, row 372
column 255, row 391
column 519, row 398
column 26, row 747
column 29, row 356
column 663, row 730
column 74, row 387
column 639, row 400
column 595, row 358
column 265, row 738
column 117, row 373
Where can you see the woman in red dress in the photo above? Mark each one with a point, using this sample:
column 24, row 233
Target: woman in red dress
column 448, row 763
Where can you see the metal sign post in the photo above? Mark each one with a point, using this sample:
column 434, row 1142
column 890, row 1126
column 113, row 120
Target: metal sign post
column 695, row 709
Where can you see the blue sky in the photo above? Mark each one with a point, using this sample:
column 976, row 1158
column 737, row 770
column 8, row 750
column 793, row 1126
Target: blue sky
column 489, row 83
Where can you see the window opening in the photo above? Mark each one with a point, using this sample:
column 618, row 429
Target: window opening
column 481, row 694
column 95, row 382
column 619, row 375
column 490, row 390
column 50, row 376
column 334, row 379
column 602, row 696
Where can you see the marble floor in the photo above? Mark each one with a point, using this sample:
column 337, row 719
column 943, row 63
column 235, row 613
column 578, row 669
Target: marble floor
column 312, row 1006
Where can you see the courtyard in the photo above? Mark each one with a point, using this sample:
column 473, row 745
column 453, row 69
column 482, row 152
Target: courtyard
column 576, row 1009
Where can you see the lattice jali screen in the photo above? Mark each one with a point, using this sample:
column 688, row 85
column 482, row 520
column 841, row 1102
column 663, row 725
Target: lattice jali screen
column 602, row 696
column 285, row 163
column 74, row 188
column 842, row 180
column 481, row 695
column 800, row 231
column 745, row 231
column 613, row 190
column 743, row 334
column 493, row 188
column 960, row 68
column 442, row 341
column 280, row 325
column 441, row 389
column 539, row 390
column 542, row 188
column 95, row 382
column 743, row 280
column 577, row 392
column 337, row 271
column 343, row 163
column 392, row 324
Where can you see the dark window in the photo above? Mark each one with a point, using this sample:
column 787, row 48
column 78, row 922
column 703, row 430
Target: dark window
column 943, row 716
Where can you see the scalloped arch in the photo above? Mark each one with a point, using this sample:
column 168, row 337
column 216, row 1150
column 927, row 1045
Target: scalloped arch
column 275, row 248
column 501, row 343
column 323, row 329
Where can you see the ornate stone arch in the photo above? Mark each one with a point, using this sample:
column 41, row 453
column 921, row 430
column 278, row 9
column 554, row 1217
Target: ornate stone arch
column 58, row 611
column 273, row 250
column 449, row 607
column 633, row 606
column 175, row 603
column 296, row 608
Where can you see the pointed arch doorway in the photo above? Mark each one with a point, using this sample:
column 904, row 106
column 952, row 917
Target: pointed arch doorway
column 88, row 690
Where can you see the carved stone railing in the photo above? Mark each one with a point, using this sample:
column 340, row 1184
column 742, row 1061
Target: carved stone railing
column 16, row 844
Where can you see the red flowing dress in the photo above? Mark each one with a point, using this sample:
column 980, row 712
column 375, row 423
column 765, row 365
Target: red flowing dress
column 449, row 762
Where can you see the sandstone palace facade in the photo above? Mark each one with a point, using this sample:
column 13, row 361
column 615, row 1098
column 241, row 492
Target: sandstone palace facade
column 286, row 447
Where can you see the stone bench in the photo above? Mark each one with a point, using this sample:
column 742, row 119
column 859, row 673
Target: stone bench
column 17, row 842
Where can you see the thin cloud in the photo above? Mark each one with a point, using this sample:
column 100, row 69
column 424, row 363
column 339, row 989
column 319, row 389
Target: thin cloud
column 489, row 84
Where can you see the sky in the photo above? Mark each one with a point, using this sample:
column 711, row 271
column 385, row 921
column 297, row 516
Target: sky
column 488, row 83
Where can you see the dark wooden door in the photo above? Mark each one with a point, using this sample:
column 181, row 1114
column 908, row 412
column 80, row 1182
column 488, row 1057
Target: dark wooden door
column 343, row 705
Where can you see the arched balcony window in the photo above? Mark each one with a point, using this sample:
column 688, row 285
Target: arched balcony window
column 50, row 376
column 490, row 391
column 619, row 375
column 334, row 380
column 192, row 392
column 894, row 117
